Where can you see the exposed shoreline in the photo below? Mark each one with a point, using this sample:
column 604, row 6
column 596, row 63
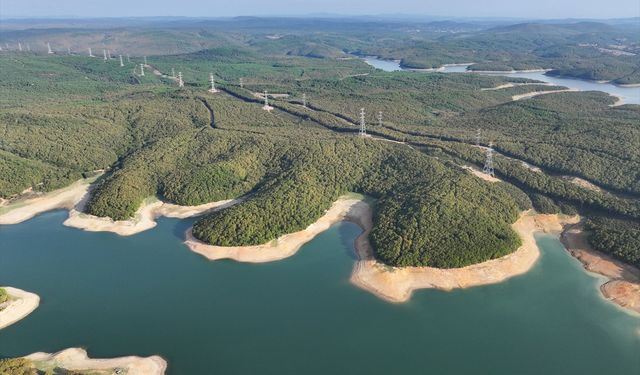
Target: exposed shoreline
column 629, row 85
column 21, row 303
column 538, row 93
column 510, row 71
column 623, row 284
column 76, row 359
column 398, row 284
column 499, row 72
column 516, row 84
column 281, row 248
column 144, row 218
column 75, row 197
column 65, row 198
column 391, row 283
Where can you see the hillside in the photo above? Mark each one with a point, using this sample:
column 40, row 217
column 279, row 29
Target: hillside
column 66, row 116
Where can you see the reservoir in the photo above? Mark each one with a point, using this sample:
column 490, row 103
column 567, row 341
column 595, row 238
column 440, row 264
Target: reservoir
column 148, row 294
column 629, row 95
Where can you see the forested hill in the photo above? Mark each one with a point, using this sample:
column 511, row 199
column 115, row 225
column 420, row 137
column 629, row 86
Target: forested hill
column 62, row 117
column 603, row 50
column 593, row 51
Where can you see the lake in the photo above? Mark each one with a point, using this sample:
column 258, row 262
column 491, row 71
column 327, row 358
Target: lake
column 148, row 294
column 629, row 95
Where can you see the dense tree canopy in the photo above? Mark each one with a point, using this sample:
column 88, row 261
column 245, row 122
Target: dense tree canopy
column 288, row 165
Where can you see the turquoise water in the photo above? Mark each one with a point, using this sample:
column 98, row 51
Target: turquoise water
column 148, row 294
column 629, row 95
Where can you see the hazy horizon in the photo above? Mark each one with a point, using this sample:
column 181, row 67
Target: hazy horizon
column 542, row 9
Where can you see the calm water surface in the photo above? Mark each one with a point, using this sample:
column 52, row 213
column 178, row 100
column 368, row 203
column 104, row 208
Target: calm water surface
column 629, row 95
column 147, row 294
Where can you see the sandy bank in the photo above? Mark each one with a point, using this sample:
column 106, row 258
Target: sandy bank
column 390, row 283
column 144, row 219
column 499, row 87
column 629, row 85
column 20, row 304
column 280, row 248
column 75, row 197
column 538, row 93
column 458, row 64
column 510, row 71
column 516, row 84
column 76, row 359
column 424, row 70
column 68, row 197
column 398, row 284
column 623, row 287
column 619, row 100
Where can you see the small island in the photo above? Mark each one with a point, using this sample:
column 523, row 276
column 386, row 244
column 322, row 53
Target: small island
column 76, row 361
column 16, row 304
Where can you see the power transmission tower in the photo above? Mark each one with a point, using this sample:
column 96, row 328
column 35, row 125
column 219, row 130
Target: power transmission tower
column 180, row 81
column 90, row 53
column 363, row 124
column 478, row 137
column 241, row 83
column 173, row 73
column 69, row 51
column 121, row 62
column 19, row 46
column 213, row 84
column 488, row 164
column 108, row 54
column 142, row 70
column 145, row 60
column 266, row 106
column 380, row 118
column 49, row 50
column 104, row 54
column 304, row 100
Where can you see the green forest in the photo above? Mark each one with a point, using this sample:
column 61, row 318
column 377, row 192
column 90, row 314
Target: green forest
column 4, row 296
column 17, row 366
column 65, row 117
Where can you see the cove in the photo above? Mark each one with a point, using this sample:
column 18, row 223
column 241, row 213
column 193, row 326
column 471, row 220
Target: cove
column 629, row 95
column 148, row 294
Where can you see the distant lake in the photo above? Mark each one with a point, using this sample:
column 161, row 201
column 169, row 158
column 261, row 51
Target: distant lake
column 630, row 95
column 148, row 294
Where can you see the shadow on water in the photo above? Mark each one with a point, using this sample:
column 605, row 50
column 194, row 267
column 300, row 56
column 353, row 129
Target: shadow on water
column 180, row 227
column 346, row 230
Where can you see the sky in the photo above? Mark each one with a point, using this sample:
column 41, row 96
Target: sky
column 225, row 8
